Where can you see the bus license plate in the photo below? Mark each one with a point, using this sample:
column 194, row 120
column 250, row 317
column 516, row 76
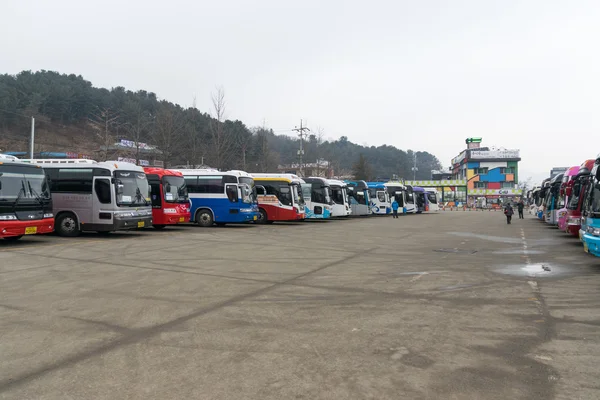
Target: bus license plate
column 31, row 230
column 181, row 219
column 141, row 224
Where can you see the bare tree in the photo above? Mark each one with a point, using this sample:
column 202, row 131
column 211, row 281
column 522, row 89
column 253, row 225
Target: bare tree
column 138, row 128
column 168, row 131
column 103, row 120
column 221, row 143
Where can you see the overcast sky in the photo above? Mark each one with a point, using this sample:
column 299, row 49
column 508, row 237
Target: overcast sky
column 421, row 75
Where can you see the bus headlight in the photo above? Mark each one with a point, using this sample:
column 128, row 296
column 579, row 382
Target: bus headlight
column 48, row 215
column 246, row 210
column 574, row 221
column 593, row 231
column 123, row 214
column 8, row 217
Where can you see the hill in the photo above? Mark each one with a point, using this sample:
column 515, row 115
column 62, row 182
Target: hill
column 74, row 116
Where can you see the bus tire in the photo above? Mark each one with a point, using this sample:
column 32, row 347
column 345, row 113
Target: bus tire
column 262, row 217
column 204, row 217
column 158, row 227
column 67, row 225
column 13, row 238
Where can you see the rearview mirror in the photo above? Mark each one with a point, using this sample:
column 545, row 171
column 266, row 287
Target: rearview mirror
column 569, row 191
column 598, row 173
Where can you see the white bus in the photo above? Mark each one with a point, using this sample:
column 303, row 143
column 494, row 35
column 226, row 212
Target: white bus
column 403, row 194
column 220, row 197
column 433, row 199
column 317, row 196
column 339, row 195
column 379, row 198
column 97, row 196
column 358, row 195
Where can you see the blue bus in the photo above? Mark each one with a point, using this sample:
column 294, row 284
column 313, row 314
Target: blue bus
column 220, row 197
column 590, row 216
column 379, row 199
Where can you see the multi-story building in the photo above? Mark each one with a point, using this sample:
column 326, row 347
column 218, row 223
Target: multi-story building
column 491, row 173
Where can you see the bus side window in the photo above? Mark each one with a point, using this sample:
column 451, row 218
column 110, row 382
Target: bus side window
column 232, row 193
column 260, row 190
column 155, row 194
column 102, row 188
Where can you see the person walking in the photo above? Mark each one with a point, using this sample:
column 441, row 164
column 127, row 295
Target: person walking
column 395, row 208
column 520, row 207
column 508, row 211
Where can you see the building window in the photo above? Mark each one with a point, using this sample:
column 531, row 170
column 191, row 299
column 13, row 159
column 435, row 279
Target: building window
column 480, row 185
column 508, row 185
column 507, row 170
column 481, row 171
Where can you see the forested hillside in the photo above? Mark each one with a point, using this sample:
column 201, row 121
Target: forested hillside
column 72, row 115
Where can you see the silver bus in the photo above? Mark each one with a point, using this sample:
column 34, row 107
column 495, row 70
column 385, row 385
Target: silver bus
column 97, row 196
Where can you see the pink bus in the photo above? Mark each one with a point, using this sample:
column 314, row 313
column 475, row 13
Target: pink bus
column 568, row 180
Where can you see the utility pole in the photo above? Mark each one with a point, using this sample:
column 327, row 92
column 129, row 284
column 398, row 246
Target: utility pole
column 32, row 138
column 414, row 168
column 301, row 151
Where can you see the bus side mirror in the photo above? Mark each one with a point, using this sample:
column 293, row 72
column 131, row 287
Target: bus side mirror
column 232, row 193
column 598, row 173
column 569, row 191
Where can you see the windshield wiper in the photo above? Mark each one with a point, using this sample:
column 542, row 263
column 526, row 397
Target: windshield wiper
column 35, row 194
column 138, row 194
column 21, row 193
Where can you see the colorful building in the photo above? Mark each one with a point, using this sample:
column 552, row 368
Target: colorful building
column 492, row 174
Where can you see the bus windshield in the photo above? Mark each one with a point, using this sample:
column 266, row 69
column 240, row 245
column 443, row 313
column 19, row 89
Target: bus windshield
column 297, row 193
column 175, row 189
column 337, row 195
column 22, row 182
column 247, row 189
column 132, row 188
column 432, row 197
column 574, row 199
column 595, row 200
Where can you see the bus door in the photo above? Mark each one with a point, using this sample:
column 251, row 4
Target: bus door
column 102, row 199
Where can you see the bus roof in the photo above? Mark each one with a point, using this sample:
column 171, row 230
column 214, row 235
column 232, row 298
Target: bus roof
column 375, row 185
column 316, row 179
column 336, row 182
column 79, row 163
column 162, row 171
column 418, row 189
column 12, row 160
column 277, row 177
column 212, row 172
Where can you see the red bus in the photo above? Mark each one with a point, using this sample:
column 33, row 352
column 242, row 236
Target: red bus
column 575, row 190
column 25, row 202
column 169, row 197
column 279, row 197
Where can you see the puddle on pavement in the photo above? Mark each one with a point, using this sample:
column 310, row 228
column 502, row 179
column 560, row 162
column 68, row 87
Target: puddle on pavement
column 501, row 239
column 456, row 250
column 518, row 250
column 533, row 270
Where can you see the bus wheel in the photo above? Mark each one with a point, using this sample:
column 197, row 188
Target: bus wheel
column 67, row 225
column 13, row 238
column 159, row 227
column 262, row 217
column 204, row 218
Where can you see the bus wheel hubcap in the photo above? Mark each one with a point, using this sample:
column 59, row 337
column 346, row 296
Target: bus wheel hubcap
column 68, row 224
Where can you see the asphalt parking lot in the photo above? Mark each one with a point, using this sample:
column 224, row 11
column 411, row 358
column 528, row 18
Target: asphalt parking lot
column 456, row 305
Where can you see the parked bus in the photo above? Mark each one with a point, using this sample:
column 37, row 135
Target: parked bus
column 279, row 197
column 534, row 200
column 97, row 196
column 317, row 196
column 220, row 197
column 553, row 200
column 379, row 198
column 169, row 197
column 403, row 194
column 576, row 192
column 545, row 188
column 339, row 195
column 591, row 213
column 433, row 200
column 25, row 201
column 420, row 200
column 358, row 195
column 567, row 181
